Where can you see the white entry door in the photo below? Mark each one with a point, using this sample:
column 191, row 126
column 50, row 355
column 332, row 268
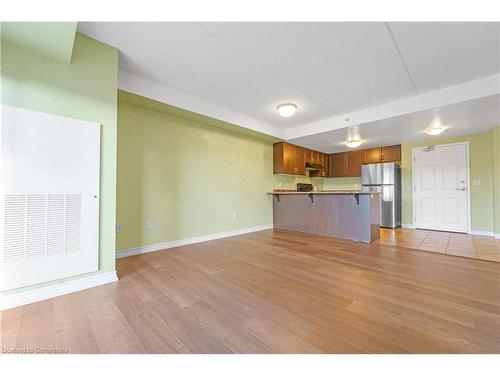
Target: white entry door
column 440, row 187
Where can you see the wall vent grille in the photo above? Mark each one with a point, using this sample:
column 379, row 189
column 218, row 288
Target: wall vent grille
column 41, row 225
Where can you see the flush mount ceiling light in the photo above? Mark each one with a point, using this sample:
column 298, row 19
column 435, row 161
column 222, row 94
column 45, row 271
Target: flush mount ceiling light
column 353, row 143
column 435, row 129
column 287, row 109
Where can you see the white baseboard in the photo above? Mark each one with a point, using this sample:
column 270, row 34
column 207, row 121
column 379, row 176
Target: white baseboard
column 407, row 226
column 8, row 301
column 481, row 233
column 187, row 241
column 497, row 236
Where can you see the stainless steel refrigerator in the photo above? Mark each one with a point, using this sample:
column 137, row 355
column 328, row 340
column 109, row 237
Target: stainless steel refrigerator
column 385, row 178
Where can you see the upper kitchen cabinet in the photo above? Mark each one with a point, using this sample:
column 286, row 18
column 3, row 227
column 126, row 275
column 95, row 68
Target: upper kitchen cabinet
column 288, row 159
column 292, row 159
column 354, row 160
column 391, row 153
column 372, row 155
column 318, row 158
column 337, row 164
column 346, row 164
column 308, row 155
column 383, row 154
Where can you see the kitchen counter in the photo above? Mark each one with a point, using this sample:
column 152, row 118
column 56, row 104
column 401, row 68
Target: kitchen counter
column 352, row 214
column 350, row 192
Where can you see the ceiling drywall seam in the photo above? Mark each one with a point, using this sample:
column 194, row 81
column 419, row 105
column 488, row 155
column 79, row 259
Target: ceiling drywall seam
column 236, row 49
column 401, row 57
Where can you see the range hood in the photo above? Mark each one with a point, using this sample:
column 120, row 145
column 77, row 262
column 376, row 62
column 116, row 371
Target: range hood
column 313, row 166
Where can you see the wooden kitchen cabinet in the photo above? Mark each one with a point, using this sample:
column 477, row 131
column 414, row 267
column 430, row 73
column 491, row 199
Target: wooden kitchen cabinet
column 383, row 154
column 308, row 155
column 291, row 159
column 288, row 159
column 373, row 155
column 311, row 156
column 346, row 164
column 321, row 159
column 354, row 160
column 337, row 164
column 391, row 153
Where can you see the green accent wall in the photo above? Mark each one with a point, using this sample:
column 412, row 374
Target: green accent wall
column 85, row 89
column 495, row 137
column 50, row 39
column 481, row 168
column 187, row 175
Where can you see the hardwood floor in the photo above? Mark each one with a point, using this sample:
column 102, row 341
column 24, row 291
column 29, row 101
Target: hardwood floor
column 457, row 244
column 274, row 292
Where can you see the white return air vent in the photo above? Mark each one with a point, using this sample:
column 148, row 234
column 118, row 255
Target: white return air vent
column 40, row 225
column 49, row 202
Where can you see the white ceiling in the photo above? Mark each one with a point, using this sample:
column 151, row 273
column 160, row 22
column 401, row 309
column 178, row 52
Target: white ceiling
column 470, row 117
column 328, row 69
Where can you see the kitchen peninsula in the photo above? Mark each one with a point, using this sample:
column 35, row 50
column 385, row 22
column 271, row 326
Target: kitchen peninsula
column 352, row 215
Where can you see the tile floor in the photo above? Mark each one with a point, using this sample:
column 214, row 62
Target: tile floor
column 464, row 245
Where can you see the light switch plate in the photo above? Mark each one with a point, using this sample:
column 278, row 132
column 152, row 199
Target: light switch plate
column 149, row 225
column 119, row 228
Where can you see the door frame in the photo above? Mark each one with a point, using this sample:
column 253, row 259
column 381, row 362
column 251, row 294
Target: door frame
column 467, row 179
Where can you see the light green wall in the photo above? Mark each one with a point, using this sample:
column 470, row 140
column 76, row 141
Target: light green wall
column 188, row 177
column 50, row 39
column 481, row 168
column 85, row 89
column 495, row 138
column 196, row 117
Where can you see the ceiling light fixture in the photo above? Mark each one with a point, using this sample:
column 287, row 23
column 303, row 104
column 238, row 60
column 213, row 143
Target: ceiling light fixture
column 353, row 143
column 436, row 128
column 435, row 131
column 287, row 109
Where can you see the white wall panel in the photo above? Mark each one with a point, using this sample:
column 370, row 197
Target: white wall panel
column 49, row 206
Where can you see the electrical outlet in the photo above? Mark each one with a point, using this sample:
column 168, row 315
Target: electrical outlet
column 234, row 215
column 149, row 225
column 119, row 228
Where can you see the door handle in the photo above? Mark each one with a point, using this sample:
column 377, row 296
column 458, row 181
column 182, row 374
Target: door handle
column 462, row 189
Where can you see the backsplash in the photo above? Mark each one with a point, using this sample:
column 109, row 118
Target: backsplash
column 290, row 182
column 342, row 183
column 337, row 183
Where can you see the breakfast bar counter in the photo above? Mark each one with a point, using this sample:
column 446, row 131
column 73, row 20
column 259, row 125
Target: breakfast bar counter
column 353, row 215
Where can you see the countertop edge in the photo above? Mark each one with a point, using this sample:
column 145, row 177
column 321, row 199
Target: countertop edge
column 320, row 192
